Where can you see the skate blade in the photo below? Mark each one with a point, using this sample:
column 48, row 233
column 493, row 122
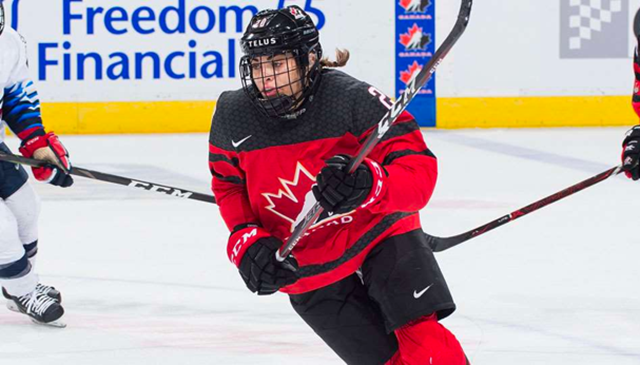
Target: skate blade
column 54, row 324
column 12, row 306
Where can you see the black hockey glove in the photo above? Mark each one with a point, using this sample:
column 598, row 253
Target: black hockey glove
column 256, row 249
column 339, row 192
column 631, row 153
column 260, row 270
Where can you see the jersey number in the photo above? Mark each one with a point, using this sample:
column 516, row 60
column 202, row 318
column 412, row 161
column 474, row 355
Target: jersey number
column 385, row 100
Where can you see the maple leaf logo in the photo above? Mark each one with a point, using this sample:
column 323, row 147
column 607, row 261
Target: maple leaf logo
column 415, row 39
column 415, row 6
column 406, row 76
column 287, row 201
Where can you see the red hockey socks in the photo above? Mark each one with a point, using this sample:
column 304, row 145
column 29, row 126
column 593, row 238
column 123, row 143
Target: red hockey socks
column 427, row 342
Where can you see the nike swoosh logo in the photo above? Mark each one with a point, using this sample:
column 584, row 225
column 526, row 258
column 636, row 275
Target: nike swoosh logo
column 237, row 144
column 417, row 294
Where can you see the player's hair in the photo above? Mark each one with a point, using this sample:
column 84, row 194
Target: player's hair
column 342, row 57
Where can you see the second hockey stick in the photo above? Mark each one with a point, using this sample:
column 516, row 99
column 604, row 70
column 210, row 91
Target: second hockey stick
column 413, row 87
column 120, row 180
column 439, row 244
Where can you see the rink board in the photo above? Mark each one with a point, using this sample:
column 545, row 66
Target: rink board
column 195, row 116
column 134, row 66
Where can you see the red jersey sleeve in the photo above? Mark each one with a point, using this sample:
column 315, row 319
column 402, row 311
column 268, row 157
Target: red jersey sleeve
column 228, row 180
column 411, row 167
column 635, row 99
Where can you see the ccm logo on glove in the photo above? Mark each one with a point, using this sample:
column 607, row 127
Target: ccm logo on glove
column 242, row 237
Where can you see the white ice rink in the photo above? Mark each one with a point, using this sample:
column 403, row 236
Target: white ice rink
column 146, row 280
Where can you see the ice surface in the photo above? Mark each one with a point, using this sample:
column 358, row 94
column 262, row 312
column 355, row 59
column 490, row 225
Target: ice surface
column 145, row 278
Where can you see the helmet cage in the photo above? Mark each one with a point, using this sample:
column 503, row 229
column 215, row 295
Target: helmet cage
column 257, row 67
column 287, row 32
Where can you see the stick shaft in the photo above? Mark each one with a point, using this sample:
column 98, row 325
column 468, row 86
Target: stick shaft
column 115, row 179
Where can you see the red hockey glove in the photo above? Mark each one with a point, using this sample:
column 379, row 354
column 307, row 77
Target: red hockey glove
column 339, row 192
column 48, row 148
column 253, row 251
column 631, row 153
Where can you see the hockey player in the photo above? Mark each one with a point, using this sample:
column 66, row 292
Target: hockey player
column 366, row 281
column 631, row 143
column 19, row 205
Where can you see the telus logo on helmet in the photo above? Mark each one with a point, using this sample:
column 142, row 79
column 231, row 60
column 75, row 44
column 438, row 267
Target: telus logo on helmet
column 262, row 42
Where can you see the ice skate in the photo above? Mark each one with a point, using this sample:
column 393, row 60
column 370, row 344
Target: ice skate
column 40, row 306
column 51, row 291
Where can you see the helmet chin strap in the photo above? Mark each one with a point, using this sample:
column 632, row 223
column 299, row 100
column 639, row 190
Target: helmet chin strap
column 289, row 104
column 275, row 106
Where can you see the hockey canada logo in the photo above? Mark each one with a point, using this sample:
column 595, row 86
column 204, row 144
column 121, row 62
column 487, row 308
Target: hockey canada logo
column 415, row 6
column 407, row 75
column 296, row 13
column 287, row 202
column 415, row 39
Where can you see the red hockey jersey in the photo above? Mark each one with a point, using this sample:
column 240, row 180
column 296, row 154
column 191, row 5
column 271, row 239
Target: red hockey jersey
column 263, row 170
column 635, row 99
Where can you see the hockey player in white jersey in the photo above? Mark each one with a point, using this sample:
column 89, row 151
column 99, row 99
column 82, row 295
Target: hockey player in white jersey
column 19, row 205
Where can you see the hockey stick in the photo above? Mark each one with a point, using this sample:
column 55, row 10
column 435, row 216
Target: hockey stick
column 96, row 175
column 387, row 120
column 439, row 244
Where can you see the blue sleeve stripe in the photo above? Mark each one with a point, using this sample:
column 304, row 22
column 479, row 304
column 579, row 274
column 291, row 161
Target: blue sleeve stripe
column 32, row 126
column 14, row 99
column 21, row 108
column 28, row 116
column 9, row 90
column 11, row 102
column 15, row 92
column 11, row 99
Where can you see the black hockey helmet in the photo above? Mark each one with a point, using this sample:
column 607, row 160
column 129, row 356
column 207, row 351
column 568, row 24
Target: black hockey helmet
column 289, row 32
column 2, row 18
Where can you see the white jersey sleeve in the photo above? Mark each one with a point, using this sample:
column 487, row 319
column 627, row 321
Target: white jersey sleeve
column 20, row 104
